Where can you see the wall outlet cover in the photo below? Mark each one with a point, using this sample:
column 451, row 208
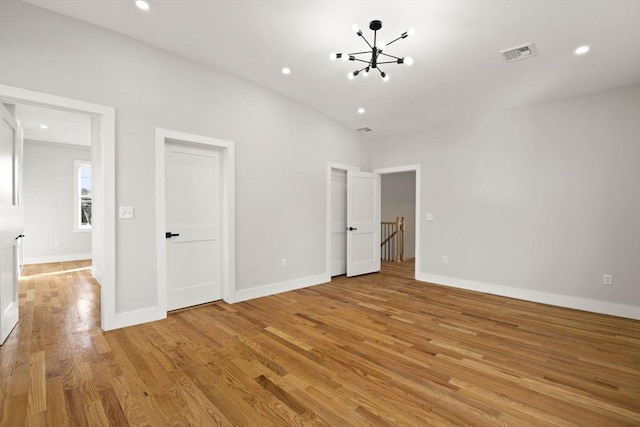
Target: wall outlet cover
column 127, row 212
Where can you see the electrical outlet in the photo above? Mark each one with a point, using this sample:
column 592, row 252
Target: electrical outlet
column 607, row 279
column 284, row 263
column 445, row 259
column 429, row 216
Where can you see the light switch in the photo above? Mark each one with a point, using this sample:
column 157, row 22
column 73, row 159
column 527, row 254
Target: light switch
column 429, row 216
column 127, row 212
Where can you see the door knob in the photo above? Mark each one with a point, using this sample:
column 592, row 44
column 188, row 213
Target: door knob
column 352, row 229
column 169, row 234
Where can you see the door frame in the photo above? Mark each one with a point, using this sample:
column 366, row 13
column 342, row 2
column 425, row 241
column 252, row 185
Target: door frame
column 227, row 247
column 103, row 154
column 416, row 169
column 12, row 221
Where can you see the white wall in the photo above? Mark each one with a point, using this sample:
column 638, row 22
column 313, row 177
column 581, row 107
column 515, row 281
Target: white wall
column 48, row 191
column 536, row 202
column 282, row 147
column 399, row 199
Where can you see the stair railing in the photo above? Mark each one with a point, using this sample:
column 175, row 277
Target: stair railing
column 392, row 237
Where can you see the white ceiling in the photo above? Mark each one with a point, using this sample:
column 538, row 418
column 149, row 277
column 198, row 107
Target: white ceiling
column 61, row 127
column 457, row 72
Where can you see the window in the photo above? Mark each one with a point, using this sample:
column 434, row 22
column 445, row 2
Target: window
column 82, row 186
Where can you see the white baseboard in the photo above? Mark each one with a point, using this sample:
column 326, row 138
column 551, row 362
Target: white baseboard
column 122, row 320
column 276, row 288
column 130, row 318
column 566, row 301
column 96, row 274
column 56, row 258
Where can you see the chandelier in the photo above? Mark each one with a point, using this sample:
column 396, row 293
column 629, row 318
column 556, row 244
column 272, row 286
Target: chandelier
column 377, row 55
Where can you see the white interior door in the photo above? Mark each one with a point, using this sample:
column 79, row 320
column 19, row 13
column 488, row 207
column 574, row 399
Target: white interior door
column 338, row 222
column 11, row 222
column 193, row 224
column 363, row 223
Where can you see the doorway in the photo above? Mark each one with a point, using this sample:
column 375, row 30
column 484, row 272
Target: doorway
column 336, row 214
column 398, row 200
column 56, row 185
column 103, row 187
column 400, row 174
column 195, row 219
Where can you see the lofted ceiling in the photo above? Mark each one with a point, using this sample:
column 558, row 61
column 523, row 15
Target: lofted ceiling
column 457, row 73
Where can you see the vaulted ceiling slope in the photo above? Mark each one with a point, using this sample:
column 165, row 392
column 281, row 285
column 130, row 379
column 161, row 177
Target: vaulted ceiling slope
column 458, row 71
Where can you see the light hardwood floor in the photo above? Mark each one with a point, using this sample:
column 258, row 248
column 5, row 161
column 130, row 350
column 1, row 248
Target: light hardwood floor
column 380, row 350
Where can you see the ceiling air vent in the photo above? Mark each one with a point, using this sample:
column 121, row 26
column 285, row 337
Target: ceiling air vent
column 520, row 52
column 365, row 131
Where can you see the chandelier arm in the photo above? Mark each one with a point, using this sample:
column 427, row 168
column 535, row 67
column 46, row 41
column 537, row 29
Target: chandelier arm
column 380, row 71
column 393, row 41
column 390, row 56
column 367, row 41
column 388, row 62
column 366, row 52
column 362, row 60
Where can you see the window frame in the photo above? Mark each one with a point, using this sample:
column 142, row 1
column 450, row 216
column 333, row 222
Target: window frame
column 77, row 198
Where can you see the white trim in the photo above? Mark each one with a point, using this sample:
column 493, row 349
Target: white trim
column 228, row 212
column 416, row 169
column 577, row 303
column 56, row 258
column 276, row 288
column 136, row 317
column 330, row 166
column 96, row 273
column 106, row 157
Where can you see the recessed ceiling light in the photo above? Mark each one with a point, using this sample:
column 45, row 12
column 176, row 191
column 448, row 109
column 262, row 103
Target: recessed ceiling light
column 143, row 5
column 361, row 110
column 582, row 50
column 286, row 70
column 44, row 127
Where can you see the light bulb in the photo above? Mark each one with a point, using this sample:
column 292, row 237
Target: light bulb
column 366, row 72
column 344, row 57
column 411, row 31
column 355, row 28
column 385, row 78
column 286, row 70
column 582, row 50
column 360, row 110
column 141, row 4
column 333, row 56
column 350, row 76
column 408, row 60
column 382, row 45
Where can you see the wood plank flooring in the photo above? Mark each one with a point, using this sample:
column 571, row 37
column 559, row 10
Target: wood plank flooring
column 379, row 350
